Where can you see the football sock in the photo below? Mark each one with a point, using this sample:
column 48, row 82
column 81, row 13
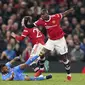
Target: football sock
column 41, row 63
column 37, row 78
column 30, row 60
column 67, row 66
column 41, row 77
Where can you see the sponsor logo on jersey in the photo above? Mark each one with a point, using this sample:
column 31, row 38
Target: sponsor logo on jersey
column 53, row 21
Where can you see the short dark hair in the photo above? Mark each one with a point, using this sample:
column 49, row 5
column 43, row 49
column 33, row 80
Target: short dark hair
column 1, row 66
column 28, row 18
column 43, row 11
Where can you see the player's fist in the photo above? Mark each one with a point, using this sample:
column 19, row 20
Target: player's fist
column 13, row 34
column 17, row 58
column 72, row 9
column 13, row 75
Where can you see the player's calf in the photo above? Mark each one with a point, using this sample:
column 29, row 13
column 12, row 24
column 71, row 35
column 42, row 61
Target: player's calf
column 67, row 66
column 39, row 69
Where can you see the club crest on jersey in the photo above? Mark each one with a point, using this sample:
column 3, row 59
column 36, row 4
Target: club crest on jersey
column 53, row 21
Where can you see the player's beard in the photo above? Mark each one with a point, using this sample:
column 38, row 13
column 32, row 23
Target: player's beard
column 46, row 18
column 5, row 72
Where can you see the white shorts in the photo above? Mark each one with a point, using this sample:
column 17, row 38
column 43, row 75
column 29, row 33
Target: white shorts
column 36, row 51
column 59, row 45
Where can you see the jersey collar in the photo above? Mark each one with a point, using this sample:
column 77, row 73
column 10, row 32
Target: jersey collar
column 49, row 19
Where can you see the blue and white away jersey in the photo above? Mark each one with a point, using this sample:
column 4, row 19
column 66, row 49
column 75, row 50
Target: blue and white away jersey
column 18, row 73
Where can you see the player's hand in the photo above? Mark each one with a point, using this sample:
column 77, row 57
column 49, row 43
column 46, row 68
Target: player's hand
column 17, row 58
column 13, row 34
column 12, row 75
column 72, row 9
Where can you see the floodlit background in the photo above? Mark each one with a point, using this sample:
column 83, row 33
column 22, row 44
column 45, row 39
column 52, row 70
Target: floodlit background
column 12, row 12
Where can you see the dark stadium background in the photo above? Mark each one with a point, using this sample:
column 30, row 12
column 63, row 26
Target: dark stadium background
column 12, row 12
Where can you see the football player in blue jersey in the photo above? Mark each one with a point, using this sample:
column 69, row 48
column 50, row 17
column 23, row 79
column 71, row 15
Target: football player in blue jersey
column 16, row 73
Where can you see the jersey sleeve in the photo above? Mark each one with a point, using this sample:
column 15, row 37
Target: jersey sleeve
column 59, row 16
column 8, row 65
column 39, row 23
column 23, row 35
column 4, row 78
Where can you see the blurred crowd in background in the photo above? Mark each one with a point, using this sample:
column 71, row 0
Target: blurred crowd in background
column 12, row 12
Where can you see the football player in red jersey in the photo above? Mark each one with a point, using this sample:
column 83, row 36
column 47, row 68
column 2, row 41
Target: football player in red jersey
column 56, row 36
column 37, row 38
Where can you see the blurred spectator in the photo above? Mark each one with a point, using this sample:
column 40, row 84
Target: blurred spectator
column 7, row 14
column 15, row 27
column 82, row 13
column 35, row 8
column 68, row 38
column 8, row 36
column 82, row 45
column 1, row 22
column 18, row 50
column 3, row 44
column 8, row 54
column 70, row 43
column 26, row 52
column 76, row 39
column 9, row 24
column 67, row 27
column 78, row 31
column 82, row 23
column 13, row 17
column 74, row 22
column 12, row 42
column 77, row 54
column 70, row 46
column 3, row 29
column 12, row 12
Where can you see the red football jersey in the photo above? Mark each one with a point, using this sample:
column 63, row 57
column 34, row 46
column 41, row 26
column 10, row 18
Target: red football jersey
column 33, row 33
column 52, row 25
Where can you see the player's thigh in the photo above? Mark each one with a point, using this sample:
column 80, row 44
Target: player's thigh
column 49, row 45
column 36, row 49
column 61, row 46
column 17, row 69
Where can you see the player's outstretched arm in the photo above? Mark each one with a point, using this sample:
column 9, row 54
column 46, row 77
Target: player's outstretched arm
column 22, row 36
column 67, row 12
column 14, row 60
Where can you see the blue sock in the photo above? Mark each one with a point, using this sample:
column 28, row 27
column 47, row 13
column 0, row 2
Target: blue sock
column 37, row 78
column 30, row 60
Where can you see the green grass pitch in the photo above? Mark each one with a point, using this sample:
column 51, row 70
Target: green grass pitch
column 58, row 79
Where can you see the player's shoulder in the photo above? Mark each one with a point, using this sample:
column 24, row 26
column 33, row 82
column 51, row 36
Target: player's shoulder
column 40, row 19
column 57, row 14
column 53, row 15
